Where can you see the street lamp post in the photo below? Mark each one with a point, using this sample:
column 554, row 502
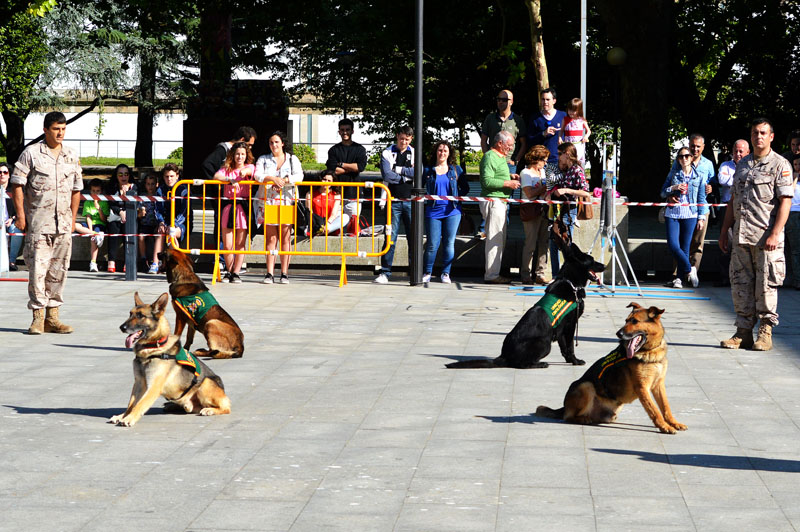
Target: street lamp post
column 616, row 58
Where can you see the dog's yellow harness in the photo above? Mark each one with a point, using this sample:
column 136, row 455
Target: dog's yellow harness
column 556, row 307
column 195, row 306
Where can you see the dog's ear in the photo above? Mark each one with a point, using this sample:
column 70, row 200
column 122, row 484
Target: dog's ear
column 634, row 304
column 137, row 299
column 654, row 312
column 160, row 304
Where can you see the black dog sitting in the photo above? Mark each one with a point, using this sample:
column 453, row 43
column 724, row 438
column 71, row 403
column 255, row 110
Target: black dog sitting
column 553, row 318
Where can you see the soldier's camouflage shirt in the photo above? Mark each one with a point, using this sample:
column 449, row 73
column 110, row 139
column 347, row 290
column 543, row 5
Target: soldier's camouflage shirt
column 757, row 188
column 48, row 184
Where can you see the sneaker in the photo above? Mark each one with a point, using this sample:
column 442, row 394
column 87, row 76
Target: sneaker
column 235, row 278
column 284, row 279
column 243, row 269
column 675, row 283
column 381, row 279
column 481, row 235
column 268, row 279
column 445, row 278
column 693, row 277
column 93, row 267
column 426, row 278
column 112, row 267
column 226, row 278
column 153, row 269
column 12, row 267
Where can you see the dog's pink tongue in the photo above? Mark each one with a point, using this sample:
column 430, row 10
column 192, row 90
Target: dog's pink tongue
column 131, row 339
column 631, row 347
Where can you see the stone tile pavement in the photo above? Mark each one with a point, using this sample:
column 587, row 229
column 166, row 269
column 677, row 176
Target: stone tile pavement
column 344, row 418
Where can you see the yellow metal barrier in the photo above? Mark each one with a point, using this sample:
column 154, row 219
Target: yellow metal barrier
column 282, row 213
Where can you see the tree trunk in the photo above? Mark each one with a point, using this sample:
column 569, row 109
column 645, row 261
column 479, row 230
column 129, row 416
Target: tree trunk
column 143, row 152
column 644, row 154
column 14, row 139
column 537, row 44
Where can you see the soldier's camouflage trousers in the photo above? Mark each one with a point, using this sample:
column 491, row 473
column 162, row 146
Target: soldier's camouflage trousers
column 755, row 277
column 47, row 258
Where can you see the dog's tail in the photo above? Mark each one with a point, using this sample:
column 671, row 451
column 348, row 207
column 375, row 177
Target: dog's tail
column 545, row 411
column 478, row 363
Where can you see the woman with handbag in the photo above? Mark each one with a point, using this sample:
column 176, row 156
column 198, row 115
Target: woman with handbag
column 442, row 178
column 534, row 186
column 566, row 183
column 280, row 171
column 683, row 185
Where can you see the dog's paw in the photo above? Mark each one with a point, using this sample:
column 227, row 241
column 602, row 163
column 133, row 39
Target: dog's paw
column 126, row 422
column 208, row 412
column 541, row 365
column 115, row 419
column 666, row 429
column 679, row 426
column 578, row 362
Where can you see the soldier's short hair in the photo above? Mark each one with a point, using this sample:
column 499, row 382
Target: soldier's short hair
column 762, row 120
column 54, row 117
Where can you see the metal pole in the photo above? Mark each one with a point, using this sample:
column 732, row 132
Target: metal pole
column 131, row 249
column 417, row 207
column 583, row 55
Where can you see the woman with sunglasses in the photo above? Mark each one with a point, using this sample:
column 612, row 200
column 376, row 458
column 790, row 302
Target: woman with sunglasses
column 683, row 186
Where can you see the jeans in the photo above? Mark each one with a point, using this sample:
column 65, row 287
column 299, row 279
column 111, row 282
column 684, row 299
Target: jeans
column 400, row 209
column 679, row 238
column 569, row 220
column 15, row 240
column 436, row 228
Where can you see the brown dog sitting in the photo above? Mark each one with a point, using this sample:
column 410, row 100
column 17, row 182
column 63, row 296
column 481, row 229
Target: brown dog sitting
column 196, row 308
column 161, row 367
column 634, row 370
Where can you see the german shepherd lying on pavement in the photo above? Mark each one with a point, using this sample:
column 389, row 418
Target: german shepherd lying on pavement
column 196, row 307
column 634, row 370
column 162, row 367
column 553, row 318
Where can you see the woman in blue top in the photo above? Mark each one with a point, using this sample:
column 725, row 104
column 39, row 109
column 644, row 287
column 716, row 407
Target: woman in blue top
column 683, row 185
column 442, row 217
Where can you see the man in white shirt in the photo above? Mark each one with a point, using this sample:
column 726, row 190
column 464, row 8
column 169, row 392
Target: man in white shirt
column 725, row 180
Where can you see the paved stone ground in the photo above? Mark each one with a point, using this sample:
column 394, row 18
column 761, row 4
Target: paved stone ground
column 344, row 418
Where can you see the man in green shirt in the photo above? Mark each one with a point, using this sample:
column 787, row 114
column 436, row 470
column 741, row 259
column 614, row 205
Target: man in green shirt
column 496, row 182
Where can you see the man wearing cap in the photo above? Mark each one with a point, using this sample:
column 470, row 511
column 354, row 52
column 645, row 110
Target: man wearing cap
column 761, row 198
column 46, row 186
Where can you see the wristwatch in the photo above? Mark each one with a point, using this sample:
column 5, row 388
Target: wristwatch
column 340, row 165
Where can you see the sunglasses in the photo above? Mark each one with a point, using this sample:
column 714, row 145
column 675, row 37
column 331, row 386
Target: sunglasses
column 684, row 156
column 3, row 171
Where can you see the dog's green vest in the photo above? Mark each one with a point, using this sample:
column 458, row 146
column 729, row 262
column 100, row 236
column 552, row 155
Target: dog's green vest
column 556, row 307
column 189, row 361
column 196, row 305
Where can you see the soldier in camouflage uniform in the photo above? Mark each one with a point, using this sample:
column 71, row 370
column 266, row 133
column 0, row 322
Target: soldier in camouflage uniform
column 761, row 198
column 46, row 185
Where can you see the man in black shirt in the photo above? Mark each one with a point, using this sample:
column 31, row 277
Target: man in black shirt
column 348, row 159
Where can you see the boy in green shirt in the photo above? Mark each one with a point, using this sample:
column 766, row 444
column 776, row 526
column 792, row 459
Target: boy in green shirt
column 96, row 213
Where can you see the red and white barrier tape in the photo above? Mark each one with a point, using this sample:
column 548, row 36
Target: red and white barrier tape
column 106, row 197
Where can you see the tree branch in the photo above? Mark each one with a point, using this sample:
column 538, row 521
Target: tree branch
column 89, row 109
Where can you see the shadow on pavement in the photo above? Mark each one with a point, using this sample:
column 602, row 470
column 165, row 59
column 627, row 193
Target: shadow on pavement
column 101, row 347
column 90, row 412
column 714, row 461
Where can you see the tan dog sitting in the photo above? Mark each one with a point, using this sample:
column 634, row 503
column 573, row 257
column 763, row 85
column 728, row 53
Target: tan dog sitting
column 634, row 370
column 162, row 367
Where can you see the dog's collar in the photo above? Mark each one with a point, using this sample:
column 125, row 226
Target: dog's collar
column 155, row 345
